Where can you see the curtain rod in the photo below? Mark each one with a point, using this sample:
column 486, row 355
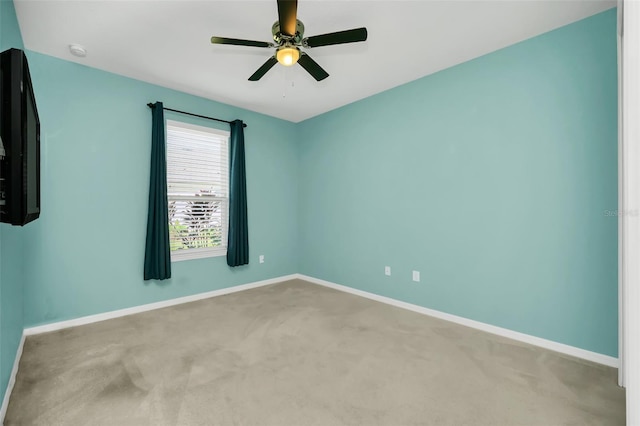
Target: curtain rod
column 150, row 105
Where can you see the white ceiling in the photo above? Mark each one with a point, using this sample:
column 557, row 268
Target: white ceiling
column 167, row 42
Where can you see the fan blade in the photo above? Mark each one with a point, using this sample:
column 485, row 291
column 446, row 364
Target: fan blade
column 263, row 69
column 239, row 42
column 312, row 67
column 287, row 11
column 340, row 37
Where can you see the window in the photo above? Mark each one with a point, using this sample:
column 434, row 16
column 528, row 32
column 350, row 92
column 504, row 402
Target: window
column 197, row 190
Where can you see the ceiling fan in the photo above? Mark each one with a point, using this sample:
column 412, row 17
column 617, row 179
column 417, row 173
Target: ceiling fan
column 288, row 37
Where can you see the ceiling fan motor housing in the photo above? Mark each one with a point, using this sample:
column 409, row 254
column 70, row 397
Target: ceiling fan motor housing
column 280, row 38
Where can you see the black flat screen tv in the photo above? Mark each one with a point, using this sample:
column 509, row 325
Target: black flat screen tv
column 20, row 132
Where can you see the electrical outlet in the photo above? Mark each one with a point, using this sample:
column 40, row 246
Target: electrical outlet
column 262, row 258
column 387, row 270
column 416, row 276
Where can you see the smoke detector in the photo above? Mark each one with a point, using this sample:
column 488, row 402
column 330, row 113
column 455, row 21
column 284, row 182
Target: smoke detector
column 77, row 50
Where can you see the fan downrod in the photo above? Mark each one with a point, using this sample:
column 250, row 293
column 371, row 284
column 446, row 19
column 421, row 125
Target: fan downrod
column 281, row 39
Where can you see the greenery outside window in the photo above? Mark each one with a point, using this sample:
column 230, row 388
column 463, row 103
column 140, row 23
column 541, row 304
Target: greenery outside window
column 197, row 190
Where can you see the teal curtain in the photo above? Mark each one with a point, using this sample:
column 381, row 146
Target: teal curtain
column 157, row 256
column 238, row 243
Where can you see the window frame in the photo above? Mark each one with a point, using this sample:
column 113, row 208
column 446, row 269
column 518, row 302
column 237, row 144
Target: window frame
column 208, row 252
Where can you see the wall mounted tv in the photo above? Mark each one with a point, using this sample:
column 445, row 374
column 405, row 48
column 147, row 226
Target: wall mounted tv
column 20, row 132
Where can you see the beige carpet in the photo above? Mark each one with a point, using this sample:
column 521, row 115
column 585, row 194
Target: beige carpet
column 298, row 354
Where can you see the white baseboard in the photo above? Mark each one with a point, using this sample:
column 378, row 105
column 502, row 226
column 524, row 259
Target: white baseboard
column 12, row 380
column 151, row 306
column 521, row 337
column 526, row 338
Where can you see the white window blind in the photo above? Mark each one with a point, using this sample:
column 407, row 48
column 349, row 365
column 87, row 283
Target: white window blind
column 197, row 190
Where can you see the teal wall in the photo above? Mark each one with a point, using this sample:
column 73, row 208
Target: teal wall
column 491, row 178
column 11, row 242
column 10, row 35
column 86, row 252
column 11, row 298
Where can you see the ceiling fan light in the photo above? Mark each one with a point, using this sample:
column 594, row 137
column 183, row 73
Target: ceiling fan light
column 287, row 55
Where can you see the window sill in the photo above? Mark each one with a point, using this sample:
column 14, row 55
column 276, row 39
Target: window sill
column 191, row 254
